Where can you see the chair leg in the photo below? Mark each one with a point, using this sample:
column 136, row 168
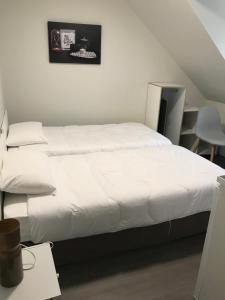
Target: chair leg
column 213, row 150
column 195, row 146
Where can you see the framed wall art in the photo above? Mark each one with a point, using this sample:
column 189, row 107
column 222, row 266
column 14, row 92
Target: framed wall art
column 74, row 43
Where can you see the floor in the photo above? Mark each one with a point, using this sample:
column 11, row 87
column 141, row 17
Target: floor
column 166, row 272
column 219, row 160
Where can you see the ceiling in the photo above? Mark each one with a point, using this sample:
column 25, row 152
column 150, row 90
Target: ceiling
column 212, row 15
column 181, row 28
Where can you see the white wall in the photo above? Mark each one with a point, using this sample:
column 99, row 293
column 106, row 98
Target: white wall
column 59, row 94
column 212, row 16
column 1, row 100
column 180, row 31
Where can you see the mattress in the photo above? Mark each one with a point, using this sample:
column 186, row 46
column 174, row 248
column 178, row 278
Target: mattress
column 106, row 192
column 91, row 138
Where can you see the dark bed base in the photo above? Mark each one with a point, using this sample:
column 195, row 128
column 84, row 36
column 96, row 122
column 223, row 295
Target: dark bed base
column 106, row 244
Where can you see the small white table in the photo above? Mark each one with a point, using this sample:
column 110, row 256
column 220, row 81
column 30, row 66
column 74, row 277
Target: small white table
column 41, row 282
column 210, row 283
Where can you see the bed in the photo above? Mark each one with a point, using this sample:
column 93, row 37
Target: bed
column 82, row 139
column 108, row 201
column 100, row 193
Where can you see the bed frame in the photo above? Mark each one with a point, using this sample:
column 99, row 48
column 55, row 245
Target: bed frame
column 92, row 247
column 103, row 245
column 81, row 249
column 111, row 243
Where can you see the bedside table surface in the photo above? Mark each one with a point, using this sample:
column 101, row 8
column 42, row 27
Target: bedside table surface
column 41, row 282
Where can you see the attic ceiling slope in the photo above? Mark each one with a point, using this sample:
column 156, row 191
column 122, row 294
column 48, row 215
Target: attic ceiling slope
column 178, row 28
column 211, row 13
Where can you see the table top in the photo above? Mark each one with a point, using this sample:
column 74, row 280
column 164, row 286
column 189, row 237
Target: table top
column 39, row 283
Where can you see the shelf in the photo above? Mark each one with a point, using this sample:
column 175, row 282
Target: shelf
column 187, row 141
column 167, row 85
column 187, row 131
column 164, row 109
column 189, row 108
column 203, row 148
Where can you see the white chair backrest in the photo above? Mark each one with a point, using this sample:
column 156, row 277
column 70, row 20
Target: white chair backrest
column 208, row 120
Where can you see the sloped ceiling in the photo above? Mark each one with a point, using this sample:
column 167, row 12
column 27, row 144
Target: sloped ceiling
column 212, row 15
column 179, row 29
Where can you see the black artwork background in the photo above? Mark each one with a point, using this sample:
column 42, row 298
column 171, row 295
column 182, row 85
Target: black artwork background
column 91, row 32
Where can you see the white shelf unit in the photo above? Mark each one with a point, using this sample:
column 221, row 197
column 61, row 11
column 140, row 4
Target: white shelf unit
column 188, row 136
column 164, row 110
column 186, row 131
column 188, row 108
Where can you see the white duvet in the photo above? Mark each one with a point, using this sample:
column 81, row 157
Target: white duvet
column 91, row 138
column 111, row 191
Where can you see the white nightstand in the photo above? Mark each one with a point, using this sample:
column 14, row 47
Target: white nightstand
column 41, row 282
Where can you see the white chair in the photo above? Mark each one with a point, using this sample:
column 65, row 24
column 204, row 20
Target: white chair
column 209, row 129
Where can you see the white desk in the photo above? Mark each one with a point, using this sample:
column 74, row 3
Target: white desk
column 41, row 282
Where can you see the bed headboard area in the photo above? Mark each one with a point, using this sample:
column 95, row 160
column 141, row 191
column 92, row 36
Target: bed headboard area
column 3, row 136
column 3, row 121
column 3, row 147
column 3, row 131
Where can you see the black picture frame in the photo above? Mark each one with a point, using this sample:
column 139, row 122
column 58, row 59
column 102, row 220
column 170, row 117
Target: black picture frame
column 74, row 43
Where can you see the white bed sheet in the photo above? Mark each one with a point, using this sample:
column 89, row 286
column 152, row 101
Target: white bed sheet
column 112, row 191
column 92, row 138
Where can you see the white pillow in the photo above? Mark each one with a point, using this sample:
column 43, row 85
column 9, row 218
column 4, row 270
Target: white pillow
column 25, row 133
column 26, row 172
